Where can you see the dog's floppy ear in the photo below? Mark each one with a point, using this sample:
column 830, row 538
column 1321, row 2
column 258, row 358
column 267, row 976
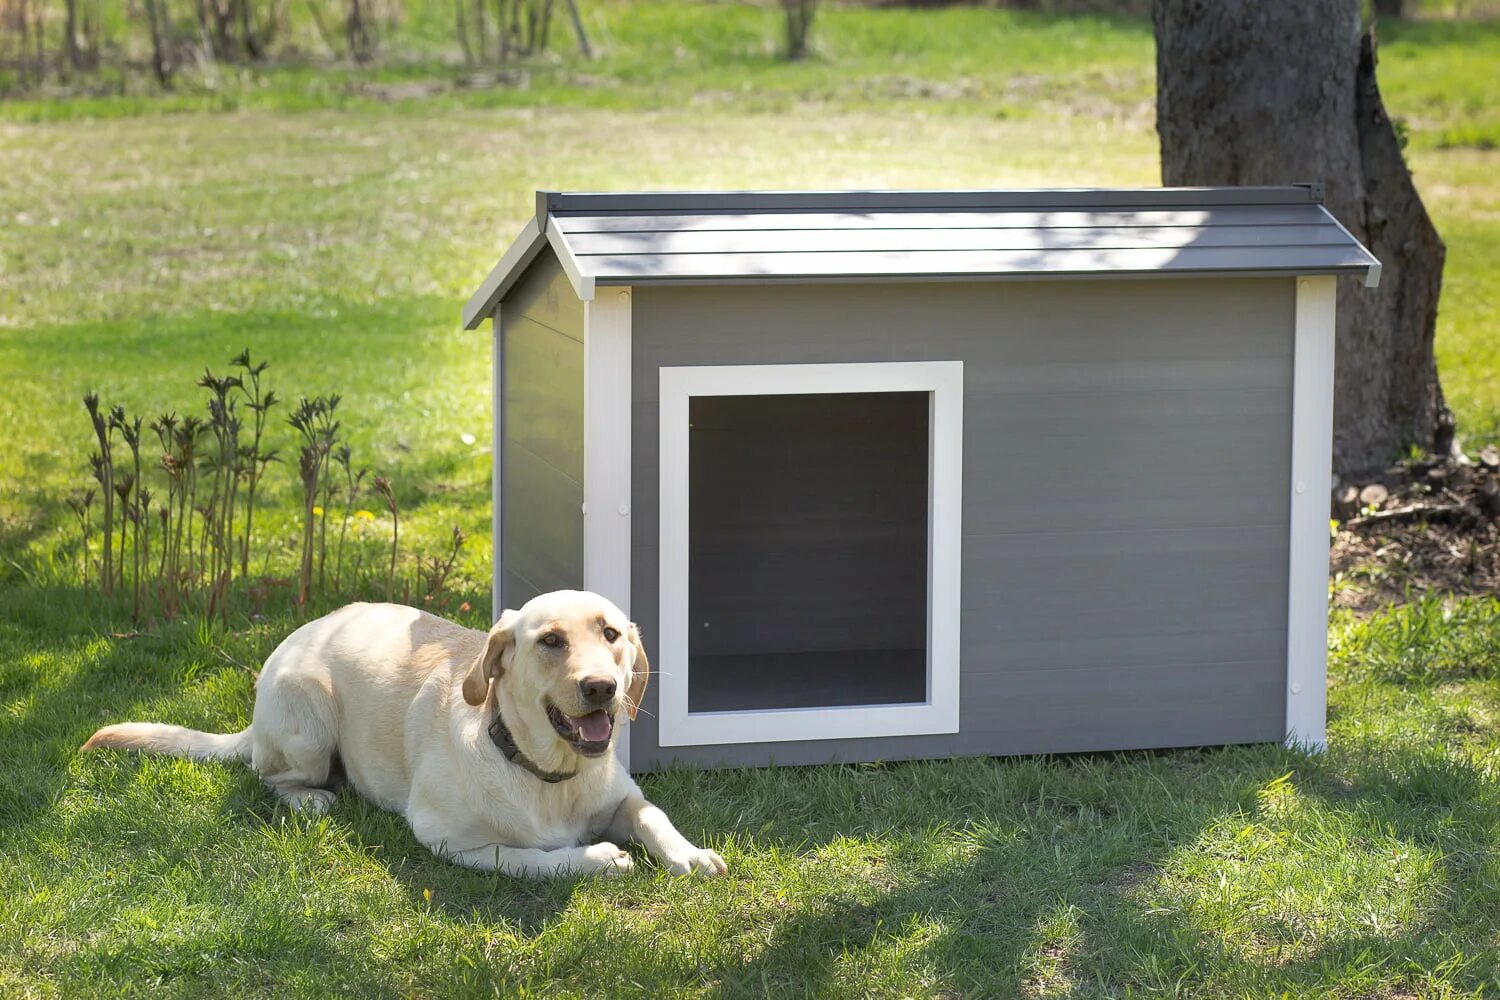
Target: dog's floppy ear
column 492, row 659
column 640, row 673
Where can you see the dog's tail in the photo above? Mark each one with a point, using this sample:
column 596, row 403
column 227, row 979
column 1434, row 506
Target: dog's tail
column 178, row 741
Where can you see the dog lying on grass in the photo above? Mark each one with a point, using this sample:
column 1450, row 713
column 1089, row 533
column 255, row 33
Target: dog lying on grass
column 496, row 748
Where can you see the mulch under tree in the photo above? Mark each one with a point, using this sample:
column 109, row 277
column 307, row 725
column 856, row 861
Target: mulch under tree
column 1426, row 525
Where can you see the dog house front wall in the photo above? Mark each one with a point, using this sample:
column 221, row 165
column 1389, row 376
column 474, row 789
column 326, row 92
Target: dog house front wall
column 540, row 426
column 1125, row 509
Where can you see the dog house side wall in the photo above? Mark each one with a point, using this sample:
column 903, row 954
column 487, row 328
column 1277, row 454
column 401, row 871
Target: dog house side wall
column 1125, row 496
column 541, row 449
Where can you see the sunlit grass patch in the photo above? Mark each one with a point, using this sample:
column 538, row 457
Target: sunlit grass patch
column 1433, row 638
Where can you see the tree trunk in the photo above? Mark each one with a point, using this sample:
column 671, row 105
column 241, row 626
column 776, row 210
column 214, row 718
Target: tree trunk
column 1390, row 8
column 221, row 20
column 1256, row 93
column 583, row 38
column 248, row 40
column 799, row 18
column 359, row 32
column 70, row 35
column 155, row 18
column 463, row 31
column 93, row 28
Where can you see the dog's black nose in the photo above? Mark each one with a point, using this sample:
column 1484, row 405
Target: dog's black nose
column 596, row 690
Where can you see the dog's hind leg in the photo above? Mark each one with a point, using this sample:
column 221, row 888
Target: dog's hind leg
column 295, row 741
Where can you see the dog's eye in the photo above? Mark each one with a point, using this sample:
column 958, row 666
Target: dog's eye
column 551, row 640
column 610, row 635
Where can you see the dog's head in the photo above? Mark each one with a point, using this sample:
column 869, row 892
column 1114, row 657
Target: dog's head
column 569, row 660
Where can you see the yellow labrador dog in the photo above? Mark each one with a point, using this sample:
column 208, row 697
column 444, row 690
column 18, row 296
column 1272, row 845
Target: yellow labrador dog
column 496, row 748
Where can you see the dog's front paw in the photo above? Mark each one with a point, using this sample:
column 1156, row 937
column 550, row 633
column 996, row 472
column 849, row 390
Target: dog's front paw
column 607, row 859
column 701, row 861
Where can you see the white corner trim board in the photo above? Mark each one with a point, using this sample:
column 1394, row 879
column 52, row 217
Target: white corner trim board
column 1312, row 461
column 943, row 382
column 606, row 455
column 497, row 465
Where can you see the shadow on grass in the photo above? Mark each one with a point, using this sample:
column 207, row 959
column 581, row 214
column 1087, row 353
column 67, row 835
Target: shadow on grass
column 1057, row 885
column 1409, row 801
column 1061, row 840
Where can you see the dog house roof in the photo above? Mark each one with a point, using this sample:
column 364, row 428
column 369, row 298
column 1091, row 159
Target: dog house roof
column 747, row 236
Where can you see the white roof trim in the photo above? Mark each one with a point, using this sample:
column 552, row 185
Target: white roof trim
column 583, row 284
column 481, row 305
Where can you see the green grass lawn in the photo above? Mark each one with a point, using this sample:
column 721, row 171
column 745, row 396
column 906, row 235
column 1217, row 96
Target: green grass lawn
column 337, row 235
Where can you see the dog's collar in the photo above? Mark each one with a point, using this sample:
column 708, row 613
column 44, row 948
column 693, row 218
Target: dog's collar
column 506, row 744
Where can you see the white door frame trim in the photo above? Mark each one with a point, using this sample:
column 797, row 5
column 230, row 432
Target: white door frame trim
column 943, row 381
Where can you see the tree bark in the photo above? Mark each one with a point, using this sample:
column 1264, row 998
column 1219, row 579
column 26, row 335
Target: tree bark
column 155, row 18
column 1257, row 93
column 248, row 40
column 583, row 38
column 463, row 32
column 70, row 35
column 799, row 18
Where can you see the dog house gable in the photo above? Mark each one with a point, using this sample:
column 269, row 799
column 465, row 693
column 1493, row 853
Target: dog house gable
column 905, row 474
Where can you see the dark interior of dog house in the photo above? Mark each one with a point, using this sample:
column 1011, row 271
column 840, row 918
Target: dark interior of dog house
column 808, row 550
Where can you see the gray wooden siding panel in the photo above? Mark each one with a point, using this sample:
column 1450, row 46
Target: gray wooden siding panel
column 546, row 393
column 1126, row 460
column 1124, row 584
column 1190, row 335
column 544, row 296
column 542, row 449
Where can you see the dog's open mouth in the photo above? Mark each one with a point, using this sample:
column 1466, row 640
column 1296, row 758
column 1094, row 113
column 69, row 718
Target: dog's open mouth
column 588, row 734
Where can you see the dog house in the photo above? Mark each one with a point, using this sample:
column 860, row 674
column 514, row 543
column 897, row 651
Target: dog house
column 888, row 475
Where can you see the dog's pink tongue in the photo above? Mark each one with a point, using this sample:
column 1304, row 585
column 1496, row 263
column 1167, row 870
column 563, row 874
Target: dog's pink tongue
column 595, row 726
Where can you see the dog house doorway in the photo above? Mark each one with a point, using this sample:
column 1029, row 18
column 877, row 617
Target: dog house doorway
column 809, row 541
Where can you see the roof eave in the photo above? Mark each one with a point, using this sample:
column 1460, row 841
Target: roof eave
column 537, row 234
column 598, row 202
column 1373, row 269
column 1368, row 272
column 481, row 305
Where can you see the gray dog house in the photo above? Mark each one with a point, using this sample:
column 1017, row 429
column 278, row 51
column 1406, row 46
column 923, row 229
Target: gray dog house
column 886, row 475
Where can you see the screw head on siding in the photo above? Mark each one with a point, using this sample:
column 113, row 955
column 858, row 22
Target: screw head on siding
column 1296, row 688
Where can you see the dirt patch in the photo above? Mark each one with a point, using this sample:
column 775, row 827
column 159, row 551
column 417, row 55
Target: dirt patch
column 1418, row 526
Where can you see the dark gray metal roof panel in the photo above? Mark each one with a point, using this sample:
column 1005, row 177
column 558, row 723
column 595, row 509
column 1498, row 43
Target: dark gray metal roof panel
column 738, row 236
